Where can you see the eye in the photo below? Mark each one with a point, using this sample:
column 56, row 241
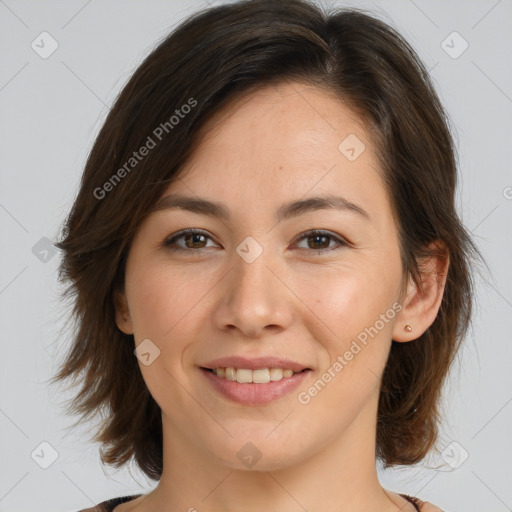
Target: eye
column 197, row 239
column 320, row 241
column 193, row 239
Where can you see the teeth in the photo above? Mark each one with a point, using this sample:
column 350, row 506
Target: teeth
column 260, row 376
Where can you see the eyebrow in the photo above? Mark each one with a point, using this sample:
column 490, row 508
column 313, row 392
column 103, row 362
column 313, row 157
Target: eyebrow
column 284, row 212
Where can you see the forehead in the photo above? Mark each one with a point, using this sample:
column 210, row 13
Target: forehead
column 280, row 117
column 280, row 143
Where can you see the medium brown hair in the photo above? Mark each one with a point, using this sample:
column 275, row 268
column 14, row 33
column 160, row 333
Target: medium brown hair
column 209, row 60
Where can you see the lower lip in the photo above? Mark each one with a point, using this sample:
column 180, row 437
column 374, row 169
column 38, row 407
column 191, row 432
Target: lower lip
column 249, row 393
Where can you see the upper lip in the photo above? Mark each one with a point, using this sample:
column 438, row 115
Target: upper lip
column 254, row 363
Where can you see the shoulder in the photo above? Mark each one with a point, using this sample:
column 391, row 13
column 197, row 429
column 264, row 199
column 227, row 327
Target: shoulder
column 422, row 506
column 425, row 506
column 109, row 505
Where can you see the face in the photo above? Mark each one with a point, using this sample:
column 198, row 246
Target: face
column 314, row 286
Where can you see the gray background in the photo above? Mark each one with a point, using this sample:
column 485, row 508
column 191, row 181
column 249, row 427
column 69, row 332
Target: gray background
column 51, row 110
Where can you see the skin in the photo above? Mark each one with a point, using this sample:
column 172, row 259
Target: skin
column 273, row 146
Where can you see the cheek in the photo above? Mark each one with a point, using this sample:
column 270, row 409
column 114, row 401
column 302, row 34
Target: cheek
column 159, row 299
column 355, row 345
column 168, row 306
column 351, row 316
column 162, row 305
column 343, row 302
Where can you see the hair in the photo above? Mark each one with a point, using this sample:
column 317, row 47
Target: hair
column 211, row 58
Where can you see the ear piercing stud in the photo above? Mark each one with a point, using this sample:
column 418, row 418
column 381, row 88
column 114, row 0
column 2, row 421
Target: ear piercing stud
column 408, row 328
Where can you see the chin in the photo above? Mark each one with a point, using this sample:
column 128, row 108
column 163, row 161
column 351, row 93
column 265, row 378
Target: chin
column 258, row 453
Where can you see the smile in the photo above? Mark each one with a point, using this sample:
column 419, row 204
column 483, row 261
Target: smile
column 254, row 387
column 260, row 376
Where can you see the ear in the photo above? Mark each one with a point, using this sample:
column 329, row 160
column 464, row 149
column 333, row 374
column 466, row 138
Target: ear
column 123, row 318
column 422, row 303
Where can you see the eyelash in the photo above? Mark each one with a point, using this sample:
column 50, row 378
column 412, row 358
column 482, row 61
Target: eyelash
column 170, row 242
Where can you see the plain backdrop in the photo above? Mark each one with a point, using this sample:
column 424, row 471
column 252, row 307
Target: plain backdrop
column 52, row 106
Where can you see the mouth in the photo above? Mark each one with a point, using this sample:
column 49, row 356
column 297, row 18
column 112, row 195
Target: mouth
column 257, row 376
column 256, row 381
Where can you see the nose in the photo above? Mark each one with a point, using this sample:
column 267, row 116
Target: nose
column 255, row 299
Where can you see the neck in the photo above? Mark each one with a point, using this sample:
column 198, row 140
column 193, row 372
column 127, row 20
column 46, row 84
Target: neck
column 341, row 476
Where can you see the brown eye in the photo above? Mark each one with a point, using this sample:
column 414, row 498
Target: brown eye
column 192, row 239
column 319, row 241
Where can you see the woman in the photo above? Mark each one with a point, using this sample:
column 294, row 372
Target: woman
column 270, row 279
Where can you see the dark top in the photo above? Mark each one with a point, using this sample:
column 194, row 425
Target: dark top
column 109, row 505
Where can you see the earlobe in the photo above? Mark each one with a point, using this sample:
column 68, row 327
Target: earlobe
column 123, row 318
column 422, row 301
